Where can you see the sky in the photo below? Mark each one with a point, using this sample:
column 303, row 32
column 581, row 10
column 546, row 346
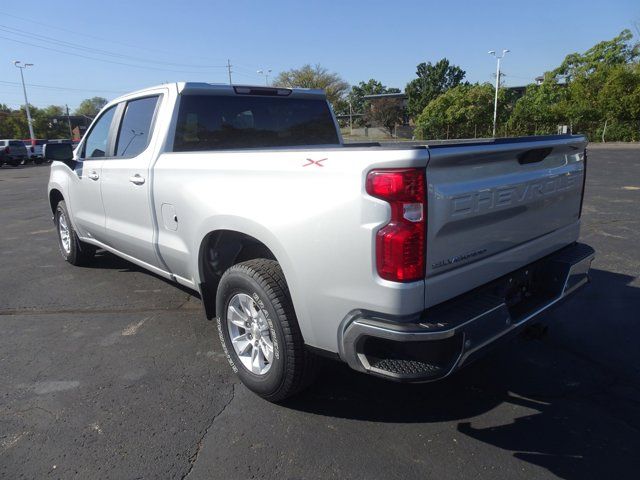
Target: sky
column 109, row 47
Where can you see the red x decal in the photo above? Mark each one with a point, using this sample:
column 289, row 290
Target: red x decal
column 314, row 162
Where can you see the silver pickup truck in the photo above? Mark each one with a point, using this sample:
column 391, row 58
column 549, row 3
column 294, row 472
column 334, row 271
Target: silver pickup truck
column 404, row 261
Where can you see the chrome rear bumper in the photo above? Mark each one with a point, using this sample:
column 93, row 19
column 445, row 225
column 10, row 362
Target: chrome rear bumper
column 450, row 335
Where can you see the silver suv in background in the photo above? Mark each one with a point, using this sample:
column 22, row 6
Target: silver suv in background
column 13, row 152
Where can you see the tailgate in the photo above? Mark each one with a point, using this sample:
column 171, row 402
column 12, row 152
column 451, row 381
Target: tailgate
column 485, row 200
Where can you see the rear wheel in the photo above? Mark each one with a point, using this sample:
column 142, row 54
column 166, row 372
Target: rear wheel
column 72, row 249
column 259, row 330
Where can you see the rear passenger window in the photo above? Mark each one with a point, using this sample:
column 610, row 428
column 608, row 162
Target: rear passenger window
column 210, row 122
column 135, row 129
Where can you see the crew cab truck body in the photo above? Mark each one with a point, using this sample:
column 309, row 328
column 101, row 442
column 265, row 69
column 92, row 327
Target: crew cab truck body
column 404, row 261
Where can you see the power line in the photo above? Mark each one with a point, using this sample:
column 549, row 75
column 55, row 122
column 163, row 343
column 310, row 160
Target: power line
column 83, row 34
column 75, row 46
column 144, row 67
column 51, row 87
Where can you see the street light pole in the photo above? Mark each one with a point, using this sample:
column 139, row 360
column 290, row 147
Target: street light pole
column 22, row 66
column 69, row 122
column 495, row 103
column 266, row 75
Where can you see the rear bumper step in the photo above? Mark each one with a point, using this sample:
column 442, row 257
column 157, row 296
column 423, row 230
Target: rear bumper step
column 446, row 337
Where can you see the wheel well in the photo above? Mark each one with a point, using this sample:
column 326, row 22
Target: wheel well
column 220, row 250
column 54, row 198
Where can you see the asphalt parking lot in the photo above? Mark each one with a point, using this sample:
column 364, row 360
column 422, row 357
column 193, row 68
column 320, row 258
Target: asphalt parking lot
column 111, row 372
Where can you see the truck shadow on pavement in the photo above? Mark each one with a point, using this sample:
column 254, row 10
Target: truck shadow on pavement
column 555, row 401
column 108, row 261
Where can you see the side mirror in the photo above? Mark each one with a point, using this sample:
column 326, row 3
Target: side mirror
column 60, row 152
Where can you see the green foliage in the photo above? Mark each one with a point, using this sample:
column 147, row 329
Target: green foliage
column 433, row 80
column 358, row 92
column 601, row 85
column 13, row 123
column 91, row 106
column 48, row 122
column 540, row 110
column 619, row 95
column 387, row 112
column 316, row 76
column 617, row 51
column 465, row 111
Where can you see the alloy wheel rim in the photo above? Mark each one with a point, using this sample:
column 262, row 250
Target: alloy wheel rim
column 250, row 334
column 63, row 231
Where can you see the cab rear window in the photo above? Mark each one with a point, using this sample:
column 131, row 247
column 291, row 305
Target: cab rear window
column 209, row 122
column 16, row 143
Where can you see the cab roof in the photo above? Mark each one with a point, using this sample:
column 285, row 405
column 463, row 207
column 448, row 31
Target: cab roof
column 203, row 88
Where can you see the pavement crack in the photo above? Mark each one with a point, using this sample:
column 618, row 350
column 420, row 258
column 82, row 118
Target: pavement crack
column 194, row 457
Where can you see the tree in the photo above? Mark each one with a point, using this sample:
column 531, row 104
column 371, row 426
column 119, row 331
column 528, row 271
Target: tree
column 91, row 106
column 619, row 96
column 465, row 111
column 362, row 89
column 315, row 76
column 48, row 122
column 13, row 123
column 585, row 91
column 617, row 51
column 433, row 80
column 387, row 112
column 540, row 110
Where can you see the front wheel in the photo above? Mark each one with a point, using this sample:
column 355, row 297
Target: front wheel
column 259, row 330
column 72, row 249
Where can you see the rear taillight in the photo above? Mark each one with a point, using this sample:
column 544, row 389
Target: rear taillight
column 7, row 150
column 400, row 244
column 32, row 149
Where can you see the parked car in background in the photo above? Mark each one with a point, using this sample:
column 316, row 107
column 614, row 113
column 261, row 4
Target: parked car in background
column 14, row 152
column 34, row 149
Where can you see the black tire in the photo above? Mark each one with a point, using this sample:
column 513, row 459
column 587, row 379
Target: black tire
column 293, row 367
column 38, row 161
column 15, row 162
column 78, row 253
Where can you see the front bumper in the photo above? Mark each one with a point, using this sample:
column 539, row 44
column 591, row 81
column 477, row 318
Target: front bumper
column 432, row 345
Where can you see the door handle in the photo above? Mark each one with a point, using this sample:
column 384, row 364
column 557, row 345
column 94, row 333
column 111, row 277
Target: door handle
column 93, row 176
column 137, row 179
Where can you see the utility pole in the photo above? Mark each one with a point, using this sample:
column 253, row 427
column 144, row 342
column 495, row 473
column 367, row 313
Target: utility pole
column 350, row 118
column 266, row 74
column 229, row 70
column 69, row 122
column 22, row 66
column 495, row 103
